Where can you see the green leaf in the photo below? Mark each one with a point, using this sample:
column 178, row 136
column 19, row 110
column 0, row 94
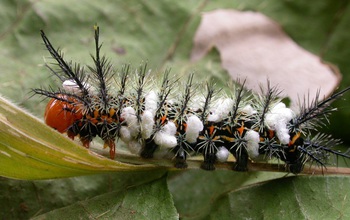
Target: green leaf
column 288, row 198
column 25, row 199
column 148, row 201
column 196, row 202
column 30, row 150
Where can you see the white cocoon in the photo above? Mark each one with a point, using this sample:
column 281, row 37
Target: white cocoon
column 253, row 139
column 147, row 124
column 151, row 102
column 125, row 134
column 129, row 116
column 222, row 154
column 248, row 110
column 194, row 126
column 70, row 85
column 166, row 136
column 277, row 120
column 221, row 111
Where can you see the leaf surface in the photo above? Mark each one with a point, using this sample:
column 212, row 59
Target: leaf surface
column 148, row 201
column 288, row 198
column 29, row 150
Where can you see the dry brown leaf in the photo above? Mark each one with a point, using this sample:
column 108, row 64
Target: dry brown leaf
column 255, row 48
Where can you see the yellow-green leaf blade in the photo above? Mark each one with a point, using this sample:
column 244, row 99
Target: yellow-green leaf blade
column 31, row 150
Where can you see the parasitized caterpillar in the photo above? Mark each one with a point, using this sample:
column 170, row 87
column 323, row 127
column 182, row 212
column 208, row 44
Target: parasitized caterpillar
column 101, row 102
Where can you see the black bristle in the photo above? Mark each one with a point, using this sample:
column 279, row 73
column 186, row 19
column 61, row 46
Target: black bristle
column 77, row 74
column 205, row 110
column 269, row 96
column 314, row 112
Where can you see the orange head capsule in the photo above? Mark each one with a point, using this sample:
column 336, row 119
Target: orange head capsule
column 60, row 115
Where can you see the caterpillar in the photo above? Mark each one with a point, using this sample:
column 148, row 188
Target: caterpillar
column 149, row 118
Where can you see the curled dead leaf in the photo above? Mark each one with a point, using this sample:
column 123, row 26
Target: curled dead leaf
column 255, row 48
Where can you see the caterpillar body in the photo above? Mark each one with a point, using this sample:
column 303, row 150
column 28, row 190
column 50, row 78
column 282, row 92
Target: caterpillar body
column 101, row 102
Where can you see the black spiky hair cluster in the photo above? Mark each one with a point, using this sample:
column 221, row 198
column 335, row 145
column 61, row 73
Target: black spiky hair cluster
column 153, row 119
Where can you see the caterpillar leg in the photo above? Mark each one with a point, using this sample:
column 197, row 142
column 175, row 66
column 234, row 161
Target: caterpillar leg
column 149, row 149
column 242, row 159
column 180, row 158
column 296, row 167
column 111, row 144
column 86, row 133
column 209, row 161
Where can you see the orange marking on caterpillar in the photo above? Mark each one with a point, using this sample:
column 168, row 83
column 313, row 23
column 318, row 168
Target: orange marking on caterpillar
column 211, row 129
column 241, row 129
